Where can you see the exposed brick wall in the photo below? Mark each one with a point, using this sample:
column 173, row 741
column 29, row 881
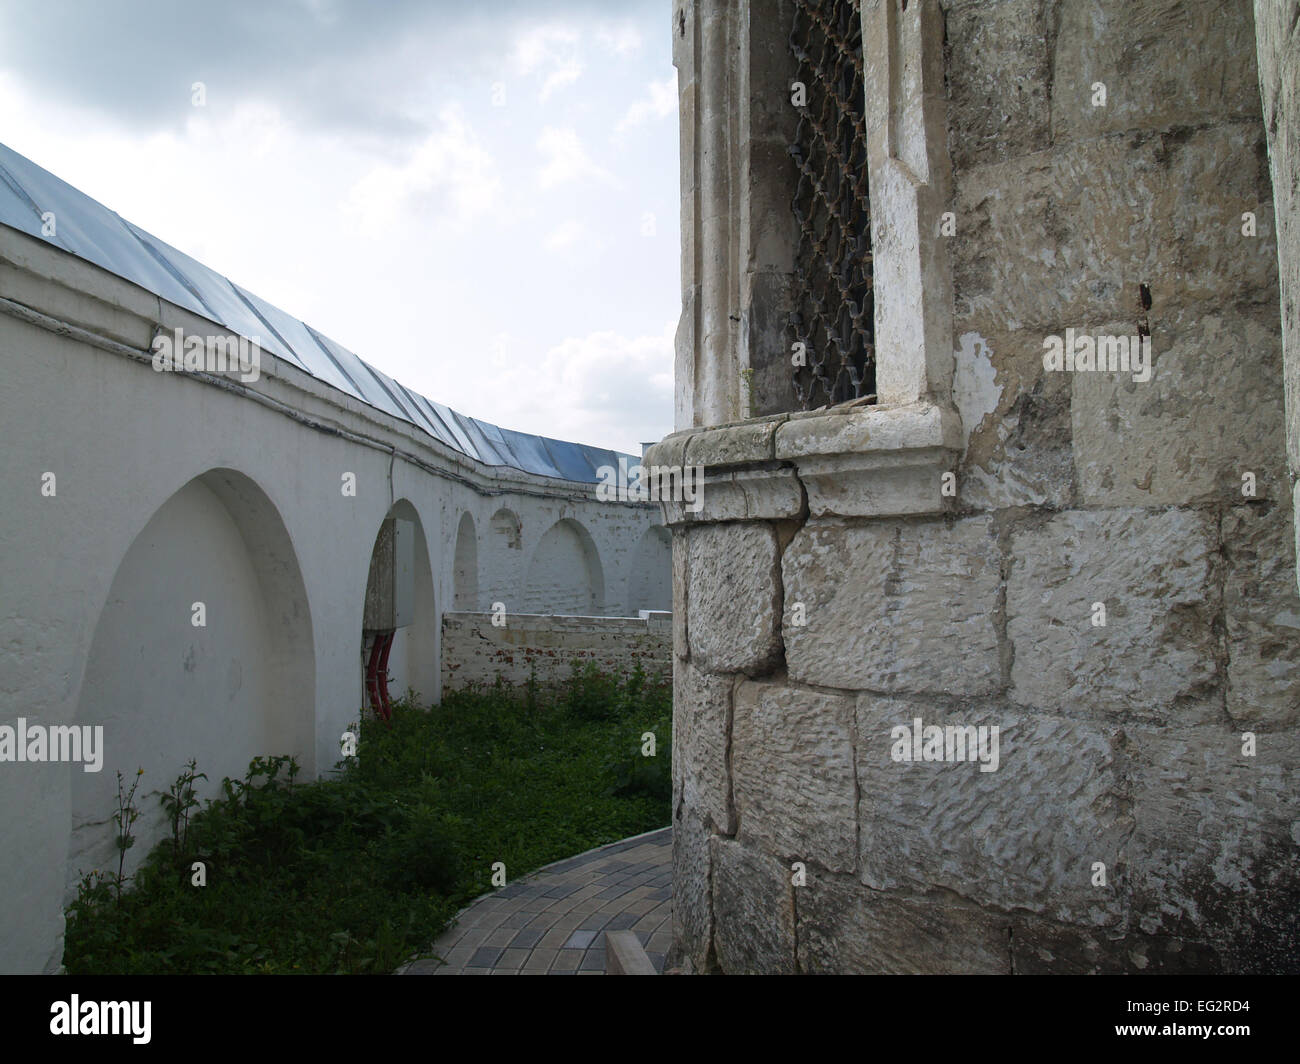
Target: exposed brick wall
column 476, row 652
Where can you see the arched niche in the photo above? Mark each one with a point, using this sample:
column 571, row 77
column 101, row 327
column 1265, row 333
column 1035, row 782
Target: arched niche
column 203, row 649
column 565, row 575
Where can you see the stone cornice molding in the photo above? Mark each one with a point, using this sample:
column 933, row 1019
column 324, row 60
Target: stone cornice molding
column 850, row 461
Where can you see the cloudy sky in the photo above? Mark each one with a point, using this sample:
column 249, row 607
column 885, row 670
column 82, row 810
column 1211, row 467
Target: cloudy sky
column 477, row 196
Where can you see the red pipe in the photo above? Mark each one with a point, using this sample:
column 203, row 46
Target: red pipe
column 372, row 667
column 385, row 701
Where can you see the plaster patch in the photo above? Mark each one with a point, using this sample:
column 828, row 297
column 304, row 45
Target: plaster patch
column 975, row 390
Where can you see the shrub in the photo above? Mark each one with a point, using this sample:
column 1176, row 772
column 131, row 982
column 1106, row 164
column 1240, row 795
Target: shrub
column 360, row 872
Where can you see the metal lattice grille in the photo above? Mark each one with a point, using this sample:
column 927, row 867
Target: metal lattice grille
column 834, row 310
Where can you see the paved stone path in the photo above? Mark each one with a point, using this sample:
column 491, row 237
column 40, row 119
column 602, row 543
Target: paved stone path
column 553, row 922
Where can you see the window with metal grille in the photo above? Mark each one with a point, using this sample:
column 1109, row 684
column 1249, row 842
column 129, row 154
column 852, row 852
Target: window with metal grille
column 834, row 312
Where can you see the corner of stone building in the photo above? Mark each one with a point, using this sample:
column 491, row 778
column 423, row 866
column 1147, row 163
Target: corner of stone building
column 1098, row 588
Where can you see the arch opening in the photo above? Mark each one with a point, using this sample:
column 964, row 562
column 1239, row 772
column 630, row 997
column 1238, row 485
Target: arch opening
column 399, row 637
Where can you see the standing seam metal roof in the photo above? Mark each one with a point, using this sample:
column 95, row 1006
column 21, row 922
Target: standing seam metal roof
column 89, row 230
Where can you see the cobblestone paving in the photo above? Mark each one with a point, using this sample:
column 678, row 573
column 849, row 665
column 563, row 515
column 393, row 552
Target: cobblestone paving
column 553, row 922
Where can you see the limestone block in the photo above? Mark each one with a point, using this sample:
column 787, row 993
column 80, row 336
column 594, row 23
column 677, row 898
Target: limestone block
column 1262, row 615
column 1042, row 948
column 1097, row 241
column 753, row 911
column 701, row 724
column 767, row 493
column 733, row 597
column 730, row 445
column 1211, row 410
column 877, row 485
column 1142, row 51
column 1278, row 52
column 685, row 337
column 846, row 928
column 768, row 298
column 1024, row 835
column 869, row 429
column 1017, row 419
column 774, row 232
column 763, row 493
column 871, row 461
column 692, row 900
column 670, row 451
column 1217, row 175
column 893, row 606
column 768, row 67
column 1214, row 849
column 792, row 756
column 681, row 591
column 1063, row 238
column 1155, row 656
column 998, row 78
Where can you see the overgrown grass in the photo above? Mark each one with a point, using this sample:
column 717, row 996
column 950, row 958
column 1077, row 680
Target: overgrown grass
column 358, row 873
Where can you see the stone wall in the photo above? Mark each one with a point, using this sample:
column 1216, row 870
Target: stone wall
column 1099, row 579
column 475, row 651
column 1279, row 81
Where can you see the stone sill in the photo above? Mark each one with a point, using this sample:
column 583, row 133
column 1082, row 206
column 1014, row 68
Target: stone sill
column 849, row 461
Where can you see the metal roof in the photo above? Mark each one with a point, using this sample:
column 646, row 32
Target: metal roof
column 91, row 231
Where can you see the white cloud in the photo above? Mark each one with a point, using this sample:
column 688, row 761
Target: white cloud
column 566, row 74
column 566, row 159
column 615, row 390
column 660, row 101
column 450, row 176
column 538, row 46
column 569, row 233
column 624, row 39
column 369, row 238
column 549, row 50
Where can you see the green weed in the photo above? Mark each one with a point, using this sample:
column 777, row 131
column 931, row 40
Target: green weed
column 357, row 873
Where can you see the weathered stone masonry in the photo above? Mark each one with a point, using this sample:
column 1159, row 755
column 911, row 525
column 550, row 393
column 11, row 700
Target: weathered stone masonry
column 1278, row 49
column 1121, row 744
